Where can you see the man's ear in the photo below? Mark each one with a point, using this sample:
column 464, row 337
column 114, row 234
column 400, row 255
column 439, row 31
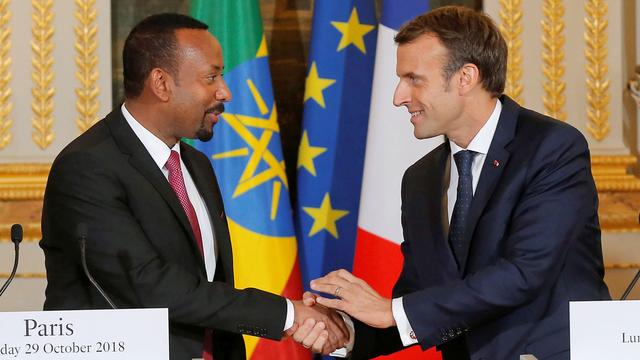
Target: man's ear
column 469, row 78
column 160, row 83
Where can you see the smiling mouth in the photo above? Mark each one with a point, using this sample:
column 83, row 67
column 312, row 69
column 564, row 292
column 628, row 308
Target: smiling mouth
column 214, row 116
column 416, row 113
column 217, row 109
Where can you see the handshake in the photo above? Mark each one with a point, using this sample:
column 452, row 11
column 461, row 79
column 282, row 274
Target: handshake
column 317, row 324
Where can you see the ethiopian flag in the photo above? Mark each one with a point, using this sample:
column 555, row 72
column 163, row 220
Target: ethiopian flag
column 247, row 157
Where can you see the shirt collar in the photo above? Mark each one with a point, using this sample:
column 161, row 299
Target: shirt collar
column 481, row 142
column 158, row 150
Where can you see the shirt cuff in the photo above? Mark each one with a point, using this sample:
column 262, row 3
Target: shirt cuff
column 348, row 347
column 407, row 335
column 288, row 322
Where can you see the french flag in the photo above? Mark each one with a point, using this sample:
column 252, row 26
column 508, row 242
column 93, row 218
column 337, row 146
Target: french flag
column 391, row 148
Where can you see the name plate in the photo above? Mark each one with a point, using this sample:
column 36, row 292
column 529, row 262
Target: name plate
column 125, row 334
column 605, row 330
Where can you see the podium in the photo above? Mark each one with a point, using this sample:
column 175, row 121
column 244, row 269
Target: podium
column 605, row 330
column 125, row 334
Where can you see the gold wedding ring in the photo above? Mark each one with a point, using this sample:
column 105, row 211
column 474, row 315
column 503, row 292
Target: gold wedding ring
column 337, row 292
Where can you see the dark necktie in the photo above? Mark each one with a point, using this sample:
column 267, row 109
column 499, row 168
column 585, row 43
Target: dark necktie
column 176, row 180
column 177, row 184
column 463, row 160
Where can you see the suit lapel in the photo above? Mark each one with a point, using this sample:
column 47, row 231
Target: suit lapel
column 429, row 199
column 208, row 188
column 142, row 161
column 492, row 169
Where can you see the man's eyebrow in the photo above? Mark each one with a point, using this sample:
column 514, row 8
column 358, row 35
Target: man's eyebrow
column 216, row 67
column 411, row 74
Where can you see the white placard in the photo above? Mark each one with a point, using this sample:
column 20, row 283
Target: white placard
column 85, row 335
column 605, row 330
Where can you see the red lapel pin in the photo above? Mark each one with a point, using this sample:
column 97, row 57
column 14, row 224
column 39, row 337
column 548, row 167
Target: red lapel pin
column 496, row 163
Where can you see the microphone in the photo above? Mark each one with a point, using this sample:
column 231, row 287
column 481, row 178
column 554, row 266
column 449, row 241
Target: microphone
column 82, row 232
column 16, row 238
column 631, row 286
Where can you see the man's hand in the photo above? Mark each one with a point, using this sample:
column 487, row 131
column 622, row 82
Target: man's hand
column 318, row 328
column 311, row 335
column 355, row 297
column 309, row 298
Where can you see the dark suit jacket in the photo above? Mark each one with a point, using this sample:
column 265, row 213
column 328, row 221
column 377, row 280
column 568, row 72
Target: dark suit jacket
column 141, row 248
column 532, row 245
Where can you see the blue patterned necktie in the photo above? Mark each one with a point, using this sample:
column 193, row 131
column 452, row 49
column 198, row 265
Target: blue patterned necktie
column 463, row 160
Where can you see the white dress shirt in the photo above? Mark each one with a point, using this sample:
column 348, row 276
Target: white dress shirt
column 480, row 144
column 160, row 152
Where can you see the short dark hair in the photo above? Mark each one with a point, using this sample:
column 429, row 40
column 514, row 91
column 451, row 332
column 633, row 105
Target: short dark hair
column 469, row 37
column 153, row 44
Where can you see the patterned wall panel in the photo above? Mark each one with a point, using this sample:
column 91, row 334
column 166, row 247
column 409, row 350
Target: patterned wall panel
column 55, row 81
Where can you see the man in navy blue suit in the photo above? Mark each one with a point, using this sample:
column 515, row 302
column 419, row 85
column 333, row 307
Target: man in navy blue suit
column 500, row 221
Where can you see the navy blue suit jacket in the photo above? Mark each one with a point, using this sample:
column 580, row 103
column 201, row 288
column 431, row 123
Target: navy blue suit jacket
column 532, row 245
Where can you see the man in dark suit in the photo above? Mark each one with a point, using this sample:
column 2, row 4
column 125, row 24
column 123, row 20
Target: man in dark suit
column 500, row 221
column 157, row 232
